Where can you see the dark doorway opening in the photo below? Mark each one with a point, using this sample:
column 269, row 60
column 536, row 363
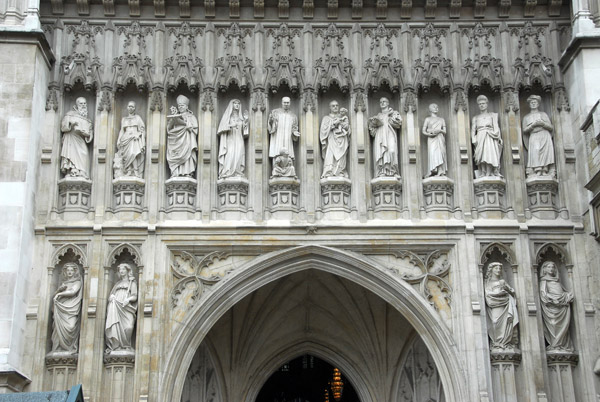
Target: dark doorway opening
column 306, row 379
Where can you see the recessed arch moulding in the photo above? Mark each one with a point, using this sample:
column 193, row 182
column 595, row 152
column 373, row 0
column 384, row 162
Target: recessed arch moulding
column 337, row 305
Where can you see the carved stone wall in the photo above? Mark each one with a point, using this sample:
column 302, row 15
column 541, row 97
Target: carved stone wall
column 386, row 280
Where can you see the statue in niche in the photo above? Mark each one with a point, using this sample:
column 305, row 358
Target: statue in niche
column 335, row 130
column 182, row 145
column 537, row 134
column 283, row 165
column 78, row 131
column 434, row 128
column 282, row 125
column 131, row 145
column 232, row 130
column 501, row 307
column 383, row 127
column 556, row 309
column 121, row 311
column 66, row 309
column 486, row 137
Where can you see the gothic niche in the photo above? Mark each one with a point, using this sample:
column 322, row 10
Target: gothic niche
column 129, row 159
column 419, row 378
column 502, row 317
column 555, row 273
column 233, row 130
column 438, row 188
column 66, row 288
column 384, row 125
column 182, row 152
column 538, row 141
column 487, row 140
column 76, row 134
column 334, row 150
column 121, row 284
column 284, row 149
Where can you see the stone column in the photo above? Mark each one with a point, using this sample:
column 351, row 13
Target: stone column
column 25, row 61
column 504, row 381
column 560, row 371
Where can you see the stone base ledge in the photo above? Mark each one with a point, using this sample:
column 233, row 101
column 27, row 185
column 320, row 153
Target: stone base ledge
column 120, row 357
column 562, row 357
column 12, row 380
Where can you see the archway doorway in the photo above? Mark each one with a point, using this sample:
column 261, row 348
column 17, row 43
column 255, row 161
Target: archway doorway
column 316, row 313
column 307, row 379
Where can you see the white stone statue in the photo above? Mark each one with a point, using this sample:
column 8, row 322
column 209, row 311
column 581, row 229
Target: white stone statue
column 335, row 130
column 537, row 134
column 77, row 131
column 283, row 165
column 66, row 310
column 182, row 145
column 282, row 125
column 131, row 145
column 486, row 137
column 501, row 307
column 383, row 127
column 434, row 128
column 232, row 130
column 121, row 311
column 556, row 309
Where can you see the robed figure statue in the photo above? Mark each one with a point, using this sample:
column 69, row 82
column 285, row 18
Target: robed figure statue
column 335, row 130
column 537, row 134
column 556, row 309
column 78, row 131
column 232, row 130
column 501, row 308
column 434, row 128
column 121, row 311
column 182, row 145
column 131, row 145
column 486, row 137
column 282, row 125
column 383, row 128
column 66, row 311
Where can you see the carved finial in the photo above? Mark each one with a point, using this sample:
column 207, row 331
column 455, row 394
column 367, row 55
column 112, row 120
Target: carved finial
column 503, row 27
column 104, row 103
column 109, row 26
column 454, row 28
column 404, row 28
column 511, row 101
column 307, row 28
column 156, row 104
column 356, row 29
column 259, row 28
column 210, row 27
column 460, row 101
column 59, row 24
column 160, row 27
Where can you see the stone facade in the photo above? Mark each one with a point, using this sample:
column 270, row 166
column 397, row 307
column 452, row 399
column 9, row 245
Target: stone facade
column 230, row 260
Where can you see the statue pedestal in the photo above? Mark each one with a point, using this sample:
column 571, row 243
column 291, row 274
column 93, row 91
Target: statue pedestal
column 181, row 196
column 504, row 381
column 233, row 197
column 489, row 196
column 74, row 195
column 560, row 370
column 61, row 370
column 284, row 193
column 335, row 197
column 541, row 194
column 439, row 195
column 128, row 194
column 387, row 197
column 119, row 375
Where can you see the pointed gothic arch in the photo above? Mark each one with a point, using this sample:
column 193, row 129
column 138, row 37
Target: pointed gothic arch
column 354, row 267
